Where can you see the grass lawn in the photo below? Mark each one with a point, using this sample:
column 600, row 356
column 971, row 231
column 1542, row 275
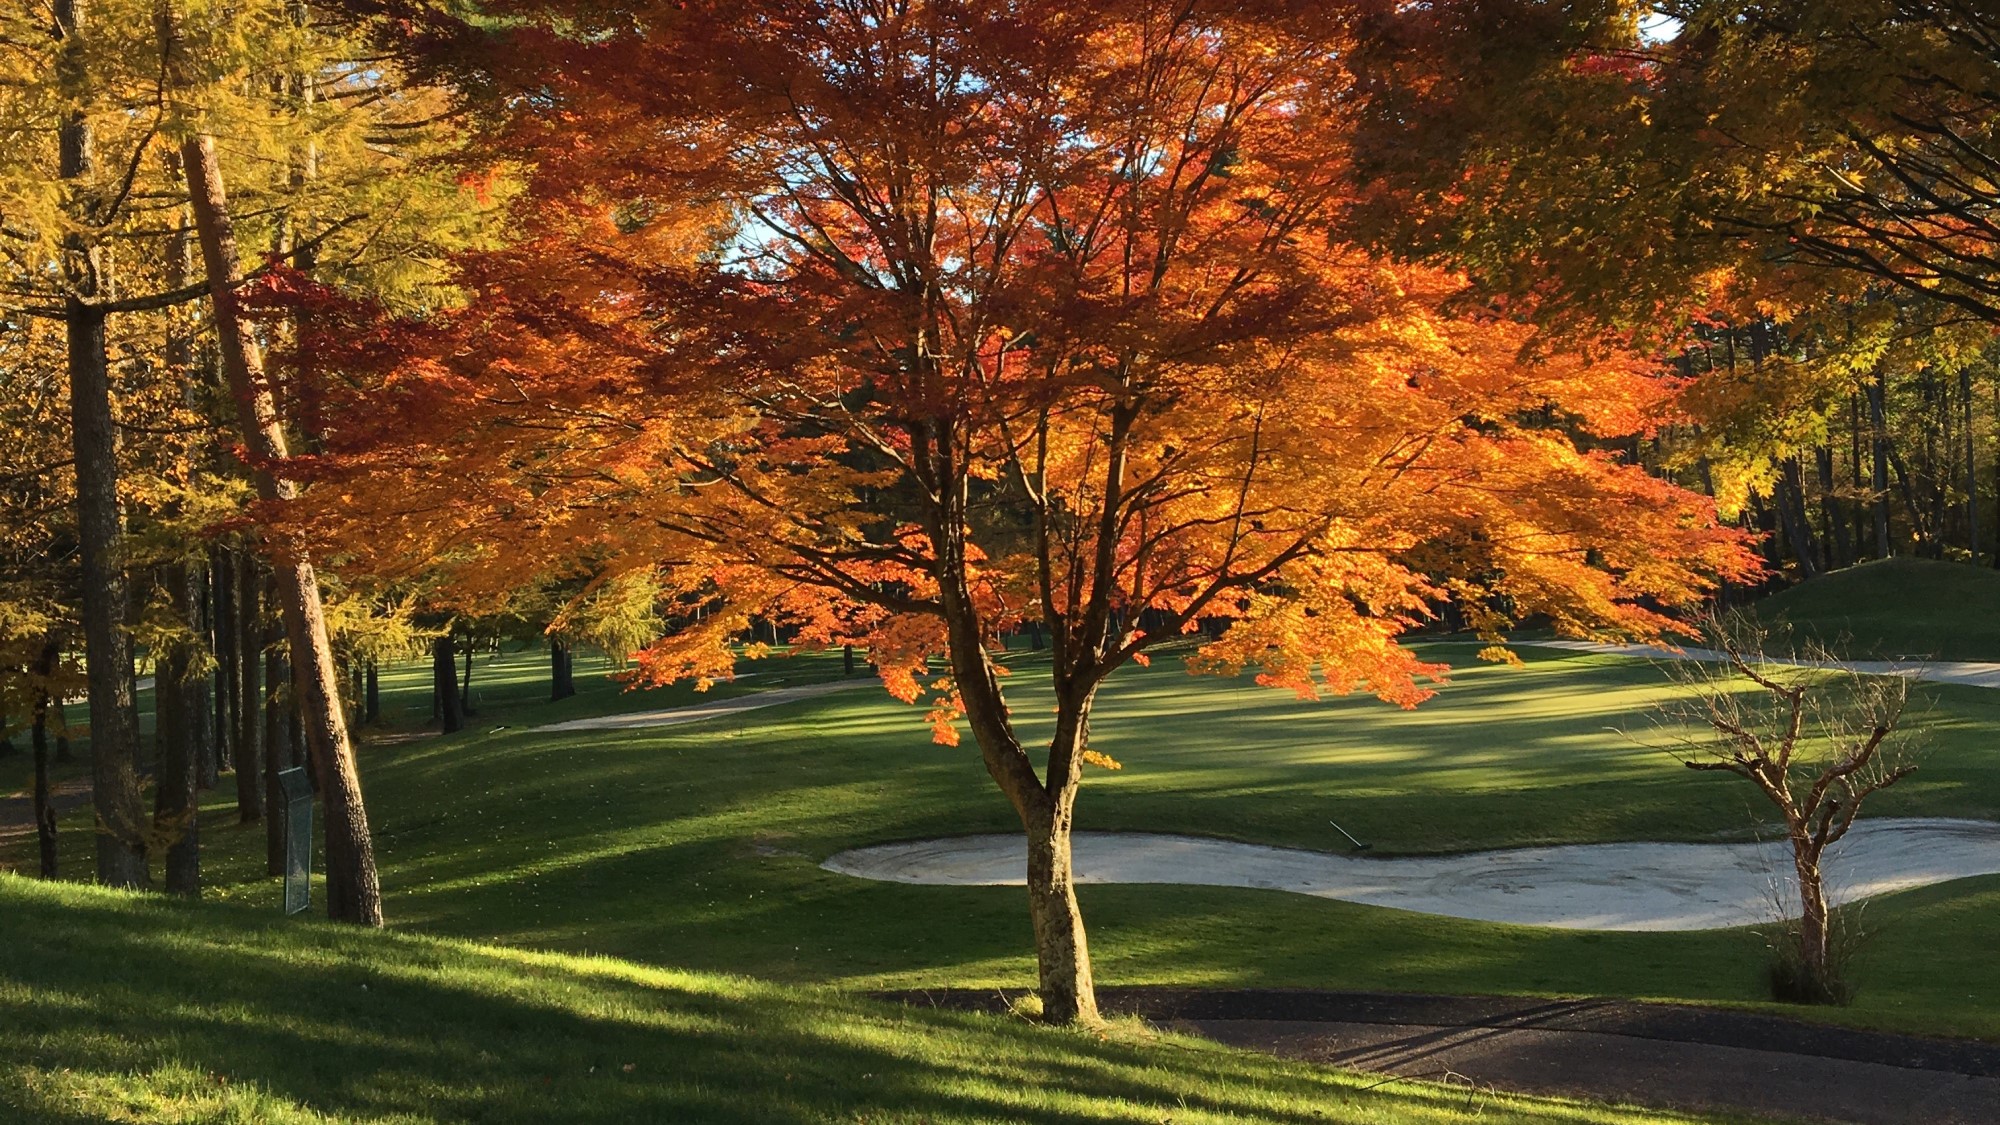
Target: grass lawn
column 1892, row 608
column 121, row 1007
column 698, row 846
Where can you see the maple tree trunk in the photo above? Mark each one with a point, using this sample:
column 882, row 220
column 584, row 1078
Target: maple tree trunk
column 372, row 707
column 1047, row 812
column 353, row 890
column 465, row 690
column 177, row 704
column 114, row 715
column 251, row 744
column 45, row 810
column 1062, row 953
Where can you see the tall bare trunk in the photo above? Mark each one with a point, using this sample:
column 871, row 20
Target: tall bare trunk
column 178, row 700
column 45, row 809
column 1878, row 481
column 251, row 744
column 1842, row 546
column 190, row 584
column 562, row 676
column 114, row 715
column 353, row 890
column 277, row 754
column 1790, row 502
column 444, row 684
column 223, row 639
column 1971, row 467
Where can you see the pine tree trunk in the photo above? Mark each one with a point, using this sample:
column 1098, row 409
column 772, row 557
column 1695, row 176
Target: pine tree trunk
column 444, row 684
column 45, row 810
column 277, row 746
column 224, row 638
column 114, row 715
column 63, row 754
column 562, row 678
column 295, row 731
column 1836, row 519
column 178, row 701
column 192, row 581
column 1879, row 475
column 1971, row 467
column 1791, row 505
column 252, row 745
column 353, row 890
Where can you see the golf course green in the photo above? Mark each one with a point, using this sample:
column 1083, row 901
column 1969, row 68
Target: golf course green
column 698, row 846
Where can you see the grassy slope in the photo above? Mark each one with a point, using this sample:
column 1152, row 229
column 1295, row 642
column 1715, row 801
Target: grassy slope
column 122, row 1008
column 698, row 845
column 1898, row 608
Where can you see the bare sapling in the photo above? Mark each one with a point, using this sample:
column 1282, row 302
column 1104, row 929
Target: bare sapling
column 1817, row 738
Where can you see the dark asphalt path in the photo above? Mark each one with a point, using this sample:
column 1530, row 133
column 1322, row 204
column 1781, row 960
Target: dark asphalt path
column 1658, row 1055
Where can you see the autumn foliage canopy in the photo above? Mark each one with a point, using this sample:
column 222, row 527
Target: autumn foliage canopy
column 885, row 323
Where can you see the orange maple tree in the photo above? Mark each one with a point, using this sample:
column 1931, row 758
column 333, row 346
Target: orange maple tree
column 908, row 324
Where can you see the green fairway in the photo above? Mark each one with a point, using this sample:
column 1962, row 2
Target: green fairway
column 1897, row 608
column 123, row 1008
column 698, row 846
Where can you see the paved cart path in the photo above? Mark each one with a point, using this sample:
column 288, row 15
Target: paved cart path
column 1664, row 1056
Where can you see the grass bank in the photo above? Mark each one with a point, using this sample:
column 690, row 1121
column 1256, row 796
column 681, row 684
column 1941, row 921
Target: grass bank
column 125, row 1008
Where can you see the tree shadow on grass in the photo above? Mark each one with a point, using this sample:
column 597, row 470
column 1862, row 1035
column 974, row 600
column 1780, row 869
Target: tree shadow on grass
column 124, row 994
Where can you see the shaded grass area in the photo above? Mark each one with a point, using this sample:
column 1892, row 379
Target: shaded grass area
column 1910, row 608
column 123, row 1008
column 513, row 686
column 699, row 845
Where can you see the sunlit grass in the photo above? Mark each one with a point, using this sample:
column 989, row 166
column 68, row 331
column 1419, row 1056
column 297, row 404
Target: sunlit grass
column 122, row 1008
column 699, row 846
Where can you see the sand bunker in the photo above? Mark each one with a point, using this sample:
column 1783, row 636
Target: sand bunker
column 1970, row 673
column 1637, row 886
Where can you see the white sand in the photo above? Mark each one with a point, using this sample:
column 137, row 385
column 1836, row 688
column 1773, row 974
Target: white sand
column 1635, row 886
column 1970, row 673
